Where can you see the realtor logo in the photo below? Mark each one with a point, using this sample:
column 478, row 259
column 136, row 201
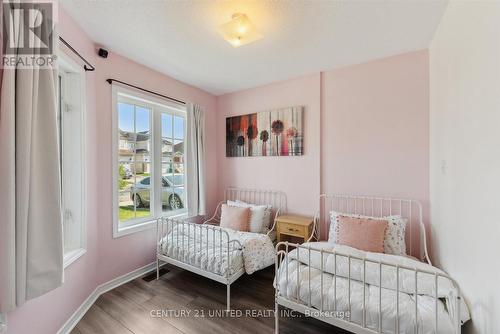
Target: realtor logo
column 28, row 38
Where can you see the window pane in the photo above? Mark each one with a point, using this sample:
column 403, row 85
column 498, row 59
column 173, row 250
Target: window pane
column 125, row 182
column 178, row 127
column 167, row 186
column 173, row 194
column 142, row 143
column 126, row 206
column 173, row 197
column 167, row 147
column 178, row 148
column 141, row 190
column 126, row 135
column 134, row 160
column 166, row 158
column 142, row 166
column 166, row 126
column 127, row 209
column 143, row 133
column 142, row 120
column 166, row 168
column 126, row 117
column 125, row 176
column 178, row 177
column 71, row 133
column 179, row 190
column 178, row 160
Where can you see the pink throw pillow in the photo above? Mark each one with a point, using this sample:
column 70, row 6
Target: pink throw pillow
column 362, row 233
column 235, row 218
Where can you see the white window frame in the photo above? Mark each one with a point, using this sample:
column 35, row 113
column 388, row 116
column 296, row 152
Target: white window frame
column 76, row 94
column 139, row 98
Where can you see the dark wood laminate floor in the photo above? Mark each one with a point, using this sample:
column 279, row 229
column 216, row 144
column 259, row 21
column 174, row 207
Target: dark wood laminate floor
column 128, row 309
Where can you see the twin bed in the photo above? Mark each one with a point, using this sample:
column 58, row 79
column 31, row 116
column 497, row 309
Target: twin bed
column 359, row 291
column 221, row 254
column 367, row 292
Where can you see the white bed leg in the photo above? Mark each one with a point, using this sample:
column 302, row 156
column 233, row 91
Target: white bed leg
column 276, row 318
column 157, row 269
column 228, row 301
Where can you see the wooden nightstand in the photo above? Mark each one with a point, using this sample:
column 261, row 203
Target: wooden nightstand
column 294, row 226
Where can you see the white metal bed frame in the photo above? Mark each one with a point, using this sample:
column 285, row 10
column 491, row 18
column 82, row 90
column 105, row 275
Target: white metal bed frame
column 226, row 248
column 370, row 206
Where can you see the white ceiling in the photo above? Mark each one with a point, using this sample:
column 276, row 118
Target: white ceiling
column 179, row 38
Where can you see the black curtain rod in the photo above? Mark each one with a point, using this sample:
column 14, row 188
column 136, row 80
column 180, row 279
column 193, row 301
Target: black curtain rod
column 110, row 81
column 90, row 67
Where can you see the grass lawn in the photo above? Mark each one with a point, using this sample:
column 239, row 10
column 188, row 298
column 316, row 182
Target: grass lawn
column 127, row 212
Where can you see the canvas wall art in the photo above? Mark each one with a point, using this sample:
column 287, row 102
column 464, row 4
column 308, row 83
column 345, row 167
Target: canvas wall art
column 276, row 132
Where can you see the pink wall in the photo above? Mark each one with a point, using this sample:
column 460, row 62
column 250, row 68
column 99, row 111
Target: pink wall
column 106, row 258
column 299, row 177
column 375, row 128
column 367, row 131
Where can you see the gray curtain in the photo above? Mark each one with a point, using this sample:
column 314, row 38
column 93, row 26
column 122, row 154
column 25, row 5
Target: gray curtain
column 31, row 242
column 195, row 154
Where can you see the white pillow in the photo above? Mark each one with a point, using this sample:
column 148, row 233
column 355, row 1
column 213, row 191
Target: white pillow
column 268, row 216
column 259, row 215
column 394, row 241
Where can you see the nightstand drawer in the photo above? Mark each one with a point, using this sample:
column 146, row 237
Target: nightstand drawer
column 292, row 229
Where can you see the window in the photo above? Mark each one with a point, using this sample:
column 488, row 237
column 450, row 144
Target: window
column 149, row 163
column 71, row 118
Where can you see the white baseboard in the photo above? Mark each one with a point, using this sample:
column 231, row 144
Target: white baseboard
column 105, row 287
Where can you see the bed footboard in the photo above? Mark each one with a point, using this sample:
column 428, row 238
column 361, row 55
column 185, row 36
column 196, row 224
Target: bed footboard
column 294, row 298
column 213, row 241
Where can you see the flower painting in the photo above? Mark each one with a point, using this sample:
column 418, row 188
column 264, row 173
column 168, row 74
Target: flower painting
column 276, row 132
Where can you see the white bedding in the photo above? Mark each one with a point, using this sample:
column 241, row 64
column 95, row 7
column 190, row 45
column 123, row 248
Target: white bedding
column 204, row 248
column 426, row 291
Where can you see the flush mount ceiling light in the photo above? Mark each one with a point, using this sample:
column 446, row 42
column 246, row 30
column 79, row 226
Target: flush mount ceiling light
column 239, row 31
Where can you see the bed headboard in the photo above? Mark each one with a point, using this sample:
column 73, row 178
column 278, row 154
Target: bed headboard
column 258, row 196
column 277, row 199
column 416, row 240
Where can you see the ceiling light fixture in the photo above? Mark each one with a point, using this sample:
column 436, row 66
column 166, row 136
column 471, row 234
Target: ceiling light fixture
column 239, row 31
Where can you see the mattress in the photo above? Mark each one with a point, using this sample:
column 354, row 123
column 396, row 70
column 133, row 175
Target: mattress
column 304, row 286
column 221, row 251
column 203, row 249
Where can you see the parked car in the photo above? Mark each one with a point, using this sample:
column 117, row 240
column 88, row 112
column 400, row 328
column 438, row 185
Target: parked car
column 170, row 195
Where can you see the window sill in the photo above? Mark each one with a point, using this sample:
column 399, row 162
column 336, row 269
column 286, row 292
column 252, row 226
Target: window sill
column 72, row 256
column 145, row 225
column 126, row 230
